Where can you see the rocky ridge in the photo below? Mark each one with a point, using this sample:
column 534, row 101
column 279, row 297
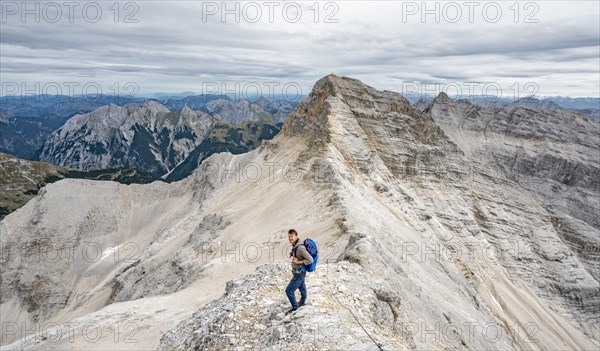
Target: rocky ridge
column 253, row 315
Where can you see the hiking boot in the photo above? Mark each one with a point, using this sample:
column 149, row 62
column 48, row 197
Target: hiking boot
column 291, row 310
column 301, row 304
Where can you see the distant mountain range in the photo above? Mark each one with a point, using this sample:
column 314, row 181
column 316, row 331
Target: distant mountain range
column 59, row 105
column 152, row 138
column 148, row 137
column 24, row 136
column 66, row 106
column 589, row 107
column 527, row 102
column 576, row 103
column 168, row 139
column 566, row 103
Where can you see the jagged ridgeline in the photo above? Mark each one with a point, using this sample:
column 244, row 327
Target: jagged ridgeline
column 450, row 228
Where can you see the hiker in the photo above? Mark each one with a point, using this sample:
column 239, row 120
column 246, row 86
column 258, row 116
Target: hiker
column 300, row 257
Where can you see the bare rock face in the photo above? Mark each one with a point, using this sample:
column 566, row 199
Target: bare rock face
column 552, row 156
column 252, row 314
column 419, row 239
column 553, row 153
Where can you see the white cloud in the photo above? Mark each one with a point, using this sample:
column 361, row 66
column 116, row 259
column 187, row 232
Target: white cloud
column 385, row 43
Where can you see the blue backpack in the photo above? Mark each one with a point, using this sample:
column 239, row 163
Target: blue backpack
column 311, row 247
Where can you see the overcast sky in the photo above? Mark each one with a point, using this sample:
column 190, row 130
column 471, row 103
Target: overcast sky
column 547, row 47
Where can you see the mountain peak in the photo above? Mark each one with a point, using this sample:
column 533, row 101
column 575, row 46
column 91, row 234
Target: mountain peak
column 261, row 100
column 528, row 99
column 332, row 78
column 310, row 119
column 442, row 97
column 334, row 84
column 186, row 110
column 113, row 107
column 155, row 106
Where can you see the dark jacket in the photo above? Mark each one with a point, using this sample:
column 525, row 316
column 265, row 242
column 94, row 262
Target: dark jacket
column 299, row 250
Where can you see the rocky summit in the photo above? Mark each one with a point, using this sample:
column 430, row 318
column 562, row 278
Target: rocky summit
column 451, row 228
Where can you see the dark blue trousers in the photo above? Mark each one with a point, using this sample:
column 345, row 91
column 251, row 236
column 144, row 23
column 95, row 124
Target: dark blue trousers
column 297, row 282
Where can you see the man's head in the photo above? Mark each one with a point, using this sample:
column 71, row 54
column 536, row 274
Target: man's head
column 292, row 236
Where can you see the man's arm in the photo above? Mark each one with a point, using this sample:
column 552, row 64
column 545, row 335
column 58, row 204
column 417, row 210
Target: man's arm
column 305, row 255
